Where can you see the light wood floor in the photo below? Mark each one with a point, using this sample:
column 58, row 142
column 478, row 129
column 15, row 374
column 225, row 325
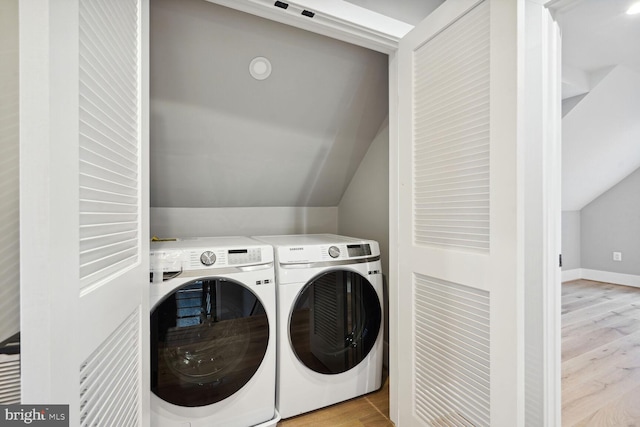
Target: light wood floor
column 600, row 355
column 371, row 410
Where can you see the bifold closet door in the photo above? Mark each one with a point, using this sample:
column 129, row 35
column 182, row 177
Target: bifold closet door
column 460, row 340
column 84, row 208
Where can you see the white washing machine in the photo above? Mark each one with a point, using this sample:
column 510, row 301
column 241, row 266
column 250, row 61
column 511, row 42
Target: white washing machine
column 330, row 320
column 213, row 333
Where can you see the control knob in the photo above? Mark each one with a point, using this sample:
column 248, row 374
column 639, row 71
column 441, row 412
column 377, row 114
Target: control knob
column 208, row 258
column 334, row 252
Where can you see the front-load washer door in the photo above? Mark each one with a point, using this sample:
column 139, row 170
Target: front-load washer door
column 208, row 338
column 335, row 321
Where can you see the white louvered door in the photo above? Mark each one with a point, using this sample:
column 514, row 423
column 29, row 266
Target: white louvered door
column 460, row 248
column 84, row 208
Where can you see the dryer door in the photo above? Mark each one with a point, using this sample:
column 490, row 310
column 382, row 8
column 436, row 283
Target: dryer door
column 208, row 338
column 335, row 321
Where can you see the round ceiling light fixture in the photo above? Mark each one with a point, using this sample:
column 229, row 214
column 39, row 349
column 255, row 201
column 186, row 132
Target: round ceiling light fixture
column 260, row 68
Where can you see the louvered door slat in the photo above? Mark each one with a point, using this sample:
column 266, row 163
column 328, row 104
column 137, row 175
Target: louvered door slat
column 103, row 172
column 106, row 259
column 109, row 138
column 106, row 145
column 9, row 379
column 106, row 196
column 125, row 168
column 452, row 351
column 112, row 133
column 451, row 135
column 100, row 184
column 109, row 378
column 108, row 105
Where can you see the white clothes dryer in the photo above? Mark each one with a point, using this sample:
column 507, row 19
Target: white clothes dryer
column 330, row 320
column 213, row 333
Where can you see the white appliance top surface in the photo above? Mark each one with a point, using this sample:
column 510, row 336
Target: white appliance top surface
column 309, row 239
column 206, row 243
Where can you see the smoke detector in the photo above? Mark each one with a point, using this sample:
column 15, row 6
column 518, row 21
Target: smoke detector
column 260, row 68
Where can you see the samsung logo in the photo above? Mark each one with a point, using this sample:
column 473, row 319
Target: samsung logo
column 296, row 249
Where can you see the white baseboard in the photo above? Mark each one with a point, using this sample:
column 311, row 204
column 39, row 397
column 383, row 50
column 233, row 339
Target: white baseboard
column 609, row 277
column 568, row 275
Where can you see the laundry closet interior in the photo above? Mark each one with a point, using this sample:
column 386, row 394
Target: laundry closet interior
column 303, row 151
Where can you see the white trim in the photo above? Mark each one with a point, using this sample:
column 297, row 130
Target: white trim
column 560, row 6
column 333, row 18
column 394, row 224
column 568, row 275
column 611, row 277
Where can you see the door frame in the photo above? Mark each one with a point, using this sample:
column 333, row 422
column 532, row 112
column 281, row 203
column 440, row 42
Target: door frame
column 350, row 23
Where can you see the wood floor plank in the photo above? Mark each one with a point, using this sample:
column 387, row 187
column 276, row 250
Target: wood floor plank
column 606, row 319
column 598, row 336
column 586, row 298
column 601, row 355
column 371, row 410
column 624, row 411
column 595, row 311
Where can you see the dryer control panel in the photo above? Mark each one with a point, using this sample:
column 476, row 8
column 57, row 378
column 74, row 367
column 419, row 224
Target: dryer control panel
column 320, row 253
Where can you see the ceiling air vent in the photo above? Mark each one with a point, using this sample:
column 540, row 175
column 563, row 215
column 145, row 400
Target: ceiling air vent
column 281, row 4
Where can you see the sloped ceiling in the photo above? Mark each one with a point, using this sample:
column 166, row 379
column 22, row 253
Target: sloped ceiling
column 596, row 35
column 601, row 138
column 219, row 138
column 600, row 65
column 409, row 11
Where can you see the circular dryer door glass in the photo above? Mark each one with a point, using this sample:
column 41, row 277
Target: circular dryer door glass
column 335, row 322
column 208, row 338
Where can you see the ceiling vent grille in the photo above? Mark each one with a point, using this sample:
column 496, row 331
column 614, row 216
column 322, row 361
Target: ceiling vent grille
column 451, row 134
column 451, row 366
column 109, row 379
column 109, row 138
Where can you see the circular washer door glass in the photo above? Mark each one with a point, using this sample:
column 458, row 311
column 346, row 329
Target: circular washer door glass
column 335, row 321
column 208, row 338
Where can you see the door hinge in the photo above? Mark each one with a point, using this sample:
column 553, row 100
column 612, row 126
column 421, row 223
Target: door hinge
column 560, row 260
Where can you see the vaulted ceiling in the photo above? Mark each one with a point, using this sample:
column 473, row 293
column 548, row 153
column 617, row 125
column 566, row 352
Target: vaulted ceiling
column 601, row 87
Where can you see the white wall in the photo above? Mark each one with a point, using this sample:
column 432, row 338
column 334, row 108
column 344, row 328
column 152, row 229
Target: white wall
column 9, row 148
column 570, row 240
column 612, row 223
column 220, row 138
column 364, row 209
column 198, row 222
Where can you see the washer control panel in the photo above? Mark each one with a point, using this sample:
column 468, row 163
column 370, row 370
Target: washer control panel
column 244, row 256
column 174, row 258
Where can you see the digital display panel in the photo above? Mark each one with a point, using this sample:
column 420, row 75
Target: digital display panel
column 358, row 250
